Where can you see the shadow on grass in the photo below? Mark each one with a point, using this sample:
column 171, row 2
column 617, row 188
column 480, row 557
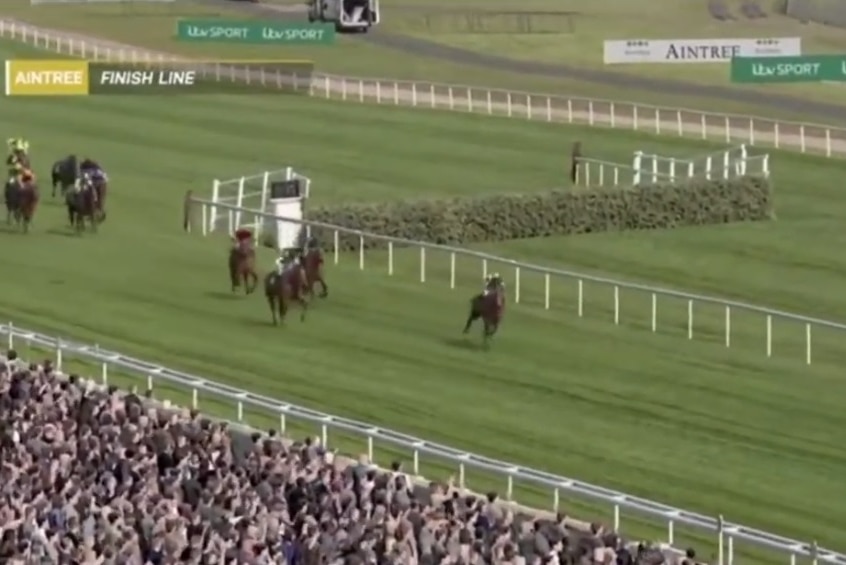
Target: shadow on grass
column 63, row 232
column 220, row 295
column 468, row 343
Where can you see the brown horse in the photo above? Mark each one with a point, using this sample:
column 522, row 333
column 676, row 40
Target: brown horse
column 490, row 308
column 283, row 289
column 242, row 267
column 21, row 200
column 82, row 205
column 313, row 264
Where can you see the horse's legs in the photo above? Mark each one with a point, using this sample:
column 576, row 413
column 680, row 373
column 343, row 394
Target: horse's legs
column 250, row 281
column 283, row 308
column 304, row 305
column 324, row 290
column 472, row 317
column 271, row 301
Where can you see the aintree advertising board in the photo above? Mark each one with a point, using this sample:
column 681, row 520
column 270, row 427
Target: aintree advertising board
column 640, row 51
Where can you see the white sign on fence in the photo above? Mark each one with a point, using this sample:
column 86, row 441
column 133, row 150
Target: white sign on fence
column 725, row 532
column 617, row 51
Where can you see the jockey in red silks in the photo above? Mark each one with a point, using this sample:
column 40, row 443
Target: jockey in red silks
column 243, row 240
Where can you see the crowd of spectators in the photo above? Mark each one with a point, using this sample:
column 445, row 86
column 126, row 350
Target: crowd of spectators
column 94, row 476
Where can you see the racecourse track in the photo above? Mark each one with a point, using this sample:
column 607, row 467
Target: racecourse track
column 611, row 79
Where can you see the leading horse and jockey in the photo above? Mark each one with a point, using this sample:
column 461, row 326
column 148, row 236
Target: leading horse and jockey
column 20, row 194
column 287, row 283
column 489, row 306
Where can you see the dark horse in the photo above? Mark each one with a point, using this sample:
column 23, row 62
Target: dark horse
column 64, row 174
column 489, row 307
column 242, row 267
column 21, row 199
column 282, row 289
column 82, row 205
column 101, row 187
column 312, row 259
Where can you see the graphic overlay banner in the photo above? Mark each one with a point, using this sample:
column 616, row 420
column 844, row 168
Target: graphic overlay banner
column 200, row 77
column 697, row 50
column 253, row 31
column 810, row 68
column 46, row 78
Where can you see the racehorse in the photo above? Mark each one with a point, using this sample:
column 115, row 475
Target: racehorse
column 282, row 289
column 312, row 259
column 100, row 182
column 490, row 308
column 82, row 204
column 21, row 198
column 101, row 187
column 242, row 267
column 64, row 174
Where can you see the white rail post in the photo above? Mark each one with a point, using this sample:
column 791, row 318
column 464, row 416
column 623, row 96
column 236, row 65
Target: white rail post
column 484, row 268
column 581, row 298
column 654, row 312
column 422, row 264
column 452, row 270
column 769, row 335
column 546, row 292
column 516, row 285
column 807, row 343
column 337, row 242
column 728, row 326
column 390, row 258
column 616, row 305
column 690, row 319
column 361, row 252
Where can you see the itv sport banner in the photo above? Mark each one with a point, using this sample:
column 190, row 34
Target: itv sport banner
column 639, row 51
column 61, row 78
column 46, row 78
column 255, row 31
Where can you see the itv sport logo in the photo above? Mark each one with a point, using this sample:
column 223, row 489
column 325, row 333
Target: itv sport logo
column 46, row 78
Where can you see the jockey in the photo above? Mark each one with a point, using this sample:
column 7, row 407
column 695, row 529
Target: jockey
column 493, row 282
column 243, row 239
column 285, row 260
column 312, row 243
column 17, row 145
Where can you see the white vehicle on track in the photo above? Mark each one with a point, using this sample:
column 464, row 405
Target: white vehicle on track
column 347, row 15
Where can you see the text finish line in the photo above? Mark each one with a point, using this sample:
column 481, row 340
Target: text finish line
column 79, row 78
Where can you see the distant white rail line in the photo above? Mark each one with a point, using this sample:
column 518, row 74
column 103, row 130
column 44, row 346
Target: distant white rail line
column 811, row 138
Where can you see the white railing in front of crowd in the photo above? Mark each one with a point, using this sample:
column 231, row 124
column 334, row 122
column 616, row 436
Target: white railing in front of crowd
column 727, row 533
column 729, row 307
column 729, row 128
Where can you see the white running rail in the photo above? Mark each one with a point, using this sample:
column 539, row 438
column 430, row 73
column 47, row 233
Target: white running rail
column 728, row 128
column 727, row 533
column 491, row 263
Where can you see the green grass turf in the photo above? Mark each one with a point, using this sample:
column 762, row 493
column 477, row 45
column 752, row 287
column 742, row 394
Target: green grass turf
column 579, row 38
column 690, row 423
column 152, row 27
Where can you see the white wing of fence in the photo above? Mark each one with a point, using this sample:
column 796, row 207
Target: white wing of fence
column 726, row 532
column 729, row 128
column 521, row 268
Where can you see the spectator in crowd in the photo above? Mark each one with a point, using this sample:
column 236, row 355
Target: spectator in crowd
column 99, row 477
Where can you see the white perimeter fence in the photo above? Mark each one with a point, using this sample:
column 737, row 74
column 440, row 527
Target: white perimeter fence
column 729, row 128
column 725, row 532
column 768, row 315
